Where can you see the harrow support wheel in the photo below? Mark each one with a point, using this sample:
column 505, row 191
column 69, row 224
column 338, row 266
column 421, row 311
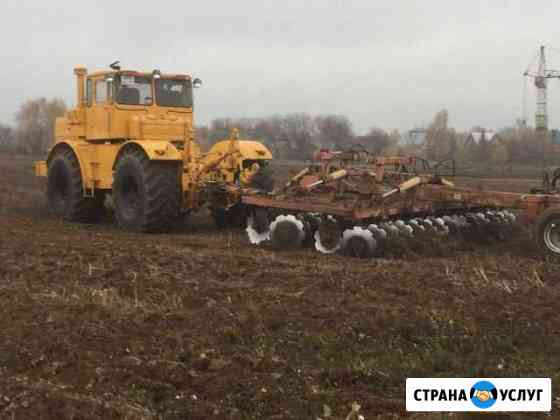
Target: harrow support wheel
column 547, row 231
column 65, row 194
column 147, row 194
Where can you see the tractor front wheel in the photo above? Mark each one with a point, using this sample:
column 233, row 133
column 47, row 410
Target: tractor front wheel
column 65, row 193
column 547, row 231
column 146, row 194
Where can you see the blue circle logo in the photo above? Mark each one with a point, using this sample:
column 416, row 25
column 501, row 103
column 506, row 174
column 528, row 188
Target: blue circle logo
column 484, row 394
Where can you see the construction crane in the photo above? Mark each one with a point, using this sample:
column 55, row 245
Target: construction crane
column 541, row 77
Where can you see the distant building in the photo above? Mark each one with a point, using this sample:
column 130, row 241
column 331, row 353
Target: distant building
column 416, row 137
column 475, row 137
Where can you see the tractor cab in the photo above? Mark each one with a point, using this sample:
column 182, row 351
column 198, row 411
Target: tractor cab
column 115, row 104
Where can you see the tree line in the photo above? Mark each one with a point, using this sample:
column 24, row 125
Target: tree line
column 33, row 132
column 298, row 135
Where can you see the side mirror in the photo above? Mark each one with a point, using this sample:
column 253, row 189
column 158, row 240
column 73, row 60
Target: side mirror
column 196, row 83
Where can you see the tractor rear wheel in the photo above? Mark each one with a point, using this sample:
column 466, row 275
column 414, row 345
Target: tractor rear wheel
column 547, row 231
column 65, row 193
column 146, row 194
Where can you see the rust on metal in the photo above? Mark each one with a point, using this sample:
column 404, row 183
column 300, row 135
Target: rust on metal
column 360, row 187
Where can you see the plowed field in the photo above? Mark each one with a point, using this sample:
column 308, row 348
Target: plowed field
column 96, row 323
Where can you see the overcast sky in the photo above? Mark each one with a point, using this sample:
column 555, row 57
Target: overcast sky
column 390, row 64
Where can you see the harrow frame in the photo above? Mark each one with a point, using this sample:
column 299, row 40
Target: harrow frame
column 392, row 190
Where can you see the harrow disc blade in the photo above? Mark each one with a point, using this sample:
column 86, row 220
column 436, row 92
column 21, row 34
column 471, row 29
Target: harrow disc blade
column 286, row 231
column 453, row 224
column 510, row 216
column 358, row 242
column 461, row 221
column 258, row 227
column 440, row 225
column 498, row 227
column 256, row 237
column 429, row 226
column 328, row 236
column 503, row 217
column 311, row 222
column 417, row 225
column 391, row 229
column 322, row 248
column 405, row 229
column 378, row 233
column 482, row 217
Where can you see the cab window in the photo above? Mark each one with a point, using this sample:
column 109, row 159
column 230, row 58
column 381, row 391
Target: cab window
column 101, row 92
column 133, row 90
column 174, row 93
column 89, row 92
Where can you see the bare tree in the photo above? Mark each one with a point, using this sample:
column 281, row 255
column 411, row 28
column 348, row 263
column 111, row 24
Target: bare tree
column 289, row 136
column 440, row 139
column 499, row 154
column 298, row 132
column 376, row 140
column 6, row 138
column 333, row 131
column 35, row 124
column 521, row 143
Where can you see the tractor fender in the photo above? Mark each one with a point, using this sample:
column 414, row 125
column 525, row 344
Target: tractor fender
column 154, row 150
column 66, row 144
column 98, row 160
column 248, row 149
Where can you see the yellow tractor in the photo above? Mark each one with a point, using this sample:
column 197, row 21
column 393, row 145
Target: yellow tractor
column 132, row 135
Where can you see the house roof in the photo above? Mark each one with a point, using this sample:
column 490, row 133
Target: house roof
column 478, row 135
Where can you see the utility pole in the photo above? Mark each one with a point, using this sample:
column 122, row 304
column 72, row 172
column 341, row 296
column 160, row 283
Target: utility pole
column 541, row 77
column 541, row 115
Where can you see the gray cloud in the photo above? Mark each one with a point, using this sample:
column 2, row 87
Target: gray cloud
column 391, row 64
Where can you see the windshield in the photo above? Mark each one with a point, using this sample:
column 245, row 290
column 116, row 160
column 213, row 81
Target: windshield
column 134, row 90
column 174, row 93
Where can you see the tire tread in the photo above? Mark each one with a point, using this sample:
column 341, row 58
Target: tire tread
column 162, row 193
column 81, row 209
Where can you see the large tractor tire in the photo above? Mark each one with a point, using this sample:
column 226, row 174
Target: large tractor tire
column 547, row 231
column 146, row 194
column 65, row 193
